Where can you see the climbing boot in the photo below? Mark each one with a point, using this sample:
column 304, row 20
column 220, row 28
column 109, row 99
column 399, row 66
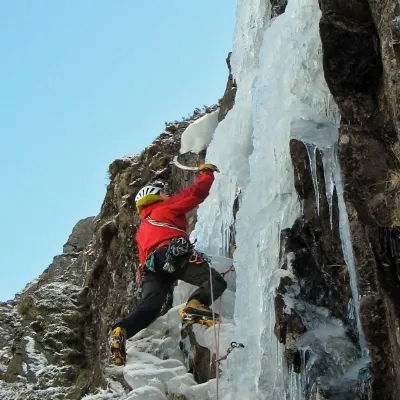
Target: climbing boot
column 118, row 346
column 194, row 310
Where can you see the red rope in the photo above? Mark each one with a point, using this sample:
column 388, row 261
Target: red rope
column 232, row 268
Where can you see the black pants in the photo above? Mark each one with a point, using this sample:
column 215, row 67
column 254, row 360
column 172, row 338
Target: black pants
column 156, row 286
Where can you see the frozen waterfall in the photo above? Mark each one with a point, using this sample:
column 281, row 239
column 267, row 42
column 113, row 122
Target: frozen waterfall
column 277, row 64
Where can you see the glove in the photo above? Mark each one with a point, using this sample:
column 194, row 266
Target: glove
column 208, row 167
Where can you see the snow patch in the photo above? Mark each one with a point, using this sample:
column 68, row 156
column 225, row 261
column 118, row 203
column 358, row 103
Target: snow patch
column 197, row 136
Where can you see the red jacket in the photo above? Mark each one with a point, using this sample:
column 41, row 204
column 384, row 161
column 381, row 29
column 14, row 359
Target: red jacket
column 171, row 211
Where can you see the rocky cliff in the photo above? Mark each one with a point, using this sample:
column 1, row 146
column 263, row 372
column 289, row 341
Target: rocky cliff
column 361, row 62
column 53, row 334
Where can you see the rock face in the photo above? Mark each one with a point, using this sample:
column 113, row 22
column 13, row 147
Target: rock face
column 43, row 352
column 360, row 41
column 228, row 98
column 278, row 7
column 197, row 357
column 367, row 92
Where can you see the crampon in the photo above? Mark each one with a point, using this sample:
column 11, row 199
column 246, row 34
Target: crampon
column 190, row 318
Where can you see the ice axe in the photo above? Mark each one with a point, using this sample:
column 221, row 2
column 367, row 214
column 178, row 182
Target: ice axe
column 181, row 166
column 185, row 167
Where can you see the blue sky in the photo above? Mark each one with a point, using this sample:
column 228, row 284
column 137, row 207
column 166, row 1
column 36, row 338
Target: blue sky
column 84, row 82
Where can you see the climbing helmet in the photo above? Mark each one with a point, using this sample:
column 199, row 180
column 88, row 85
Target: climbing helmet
column 146, row 190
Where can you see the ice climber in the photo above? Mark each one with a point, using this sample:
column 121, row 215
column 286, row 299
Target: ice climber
column 165, row 255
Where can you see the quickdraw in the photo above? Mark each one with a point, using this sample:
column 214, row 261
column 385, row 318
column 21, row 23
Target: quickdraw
column 233, row 345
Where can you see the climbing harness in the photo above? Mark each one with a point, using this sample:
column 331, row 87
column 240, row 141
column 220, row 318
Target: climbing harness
column 149, row 264
column 178, row 246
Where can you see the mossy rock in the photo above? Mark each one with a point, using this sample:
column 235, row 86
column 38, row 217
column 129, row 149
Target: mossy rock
column 82, row 384
column 159, row 163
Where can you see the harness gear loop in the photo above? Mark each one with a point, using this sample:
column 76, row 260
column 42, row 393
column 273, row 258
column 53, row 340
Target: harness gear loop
column 178, row 246
column 195, row 258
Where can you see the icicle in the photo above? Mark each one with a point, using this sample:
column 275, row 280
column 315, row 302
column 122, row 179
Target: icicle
column 345, row 237
column 329, row 163
column 321, row 136
column 307, row 358
column 351, row 310
column 294, row 391
column 312, row 156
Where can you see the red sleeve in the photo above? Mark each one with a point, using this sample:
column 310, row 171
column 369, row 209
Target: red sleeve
column 142, row 255
column 189, row 198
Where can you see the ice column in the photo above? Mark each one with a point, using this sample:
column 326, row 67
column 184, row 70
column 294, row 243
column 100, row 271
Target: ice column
column 345, row 236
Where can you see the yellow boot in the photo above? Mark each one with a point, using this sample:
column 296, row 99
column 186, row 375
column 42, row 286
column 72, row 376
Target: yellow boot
column 118, row 346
